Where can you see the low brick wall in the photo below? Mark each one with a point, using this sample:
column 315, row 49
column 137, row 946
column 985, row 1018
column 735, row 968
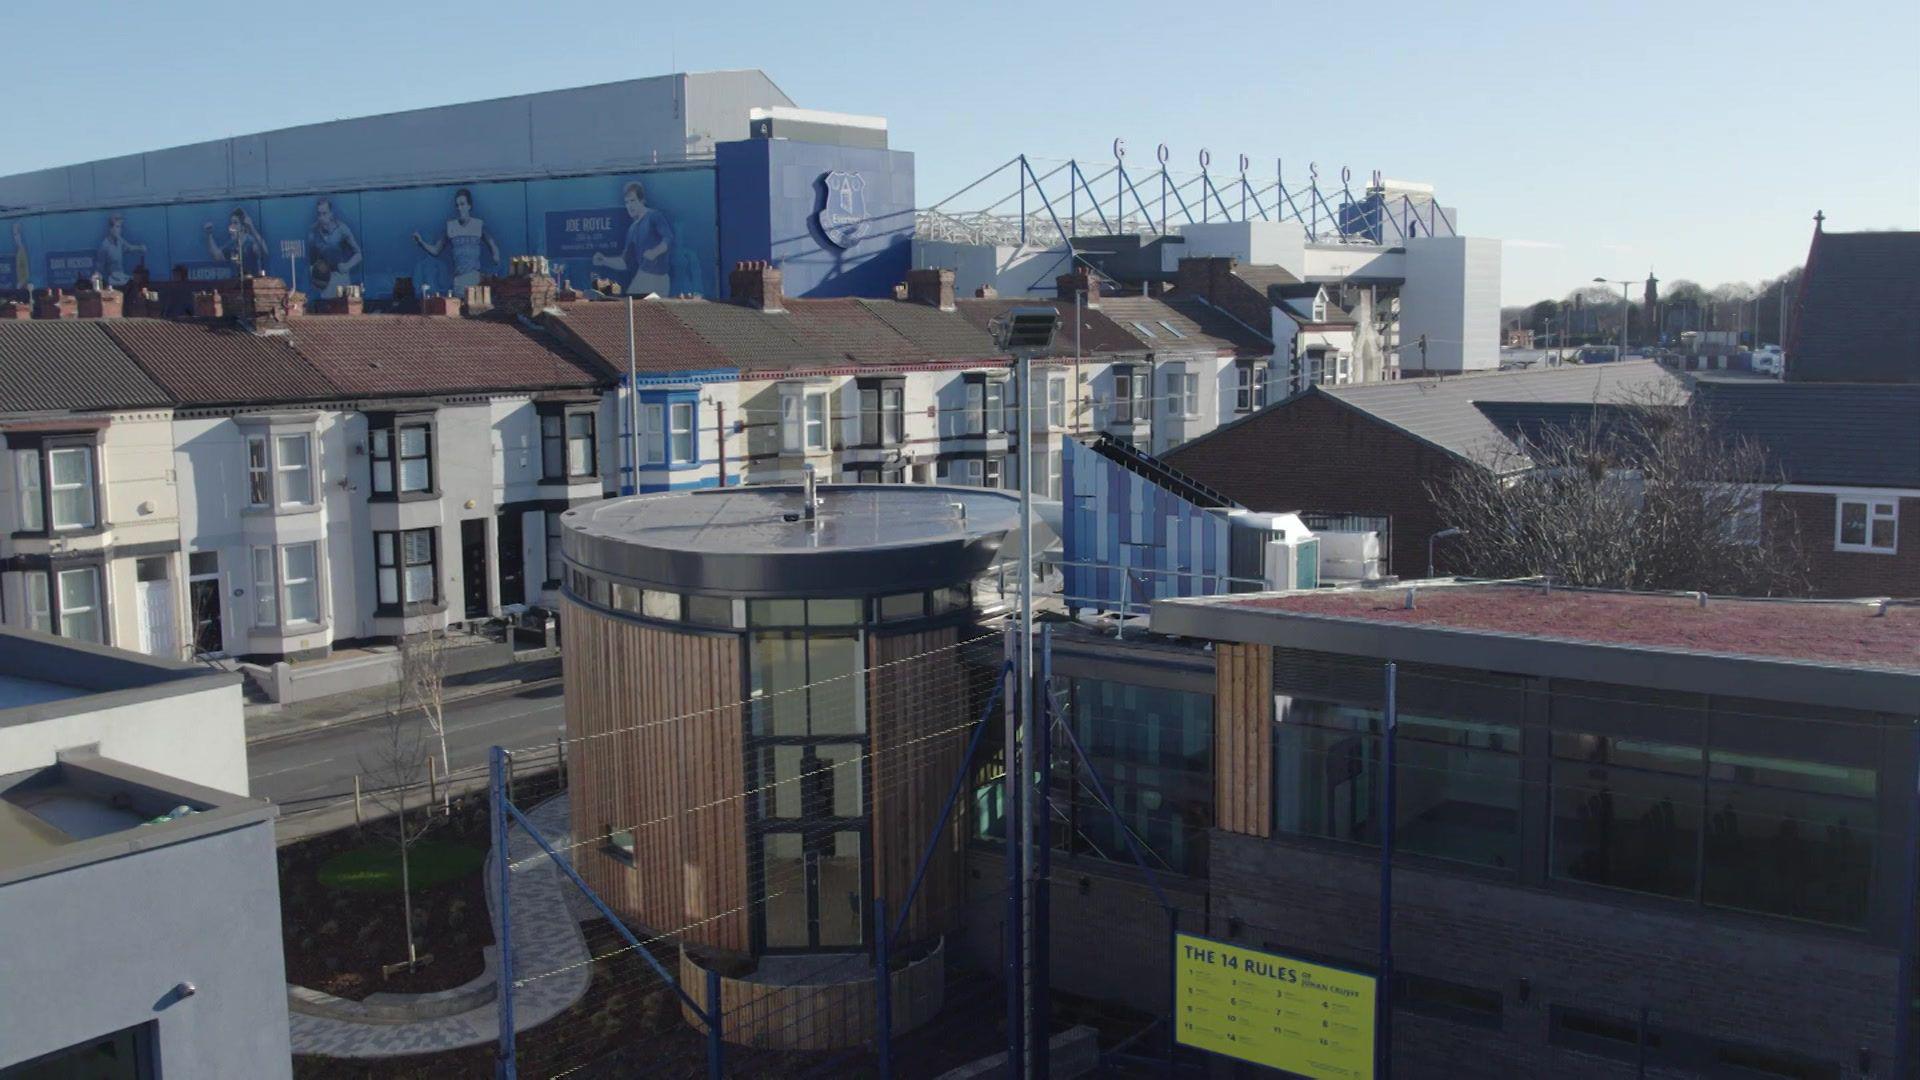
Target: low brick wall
column 817, row 1016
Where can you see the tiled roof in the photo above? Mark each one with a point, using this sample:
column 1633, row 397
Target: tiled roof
column 1196, row 326
column 1850, row 434
column 58, row 364
column 849, row 329
column 1859, row 313
column 945, row 335
column 1098, row 332
column 751, row 340
column 662, row 343
column 1445, row 413
column 382, row 355
column 1264, row 277
column 209, row 363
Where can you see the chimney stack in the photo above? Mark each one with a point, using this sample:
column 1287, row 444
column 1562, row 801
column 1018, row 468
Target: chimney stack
column 756, row 283
column 207, row 305
column 13, row 309
column 479, row 299
column 932, row 287
column 260, row 301
column 985, row 292
column 1078, row 280
column 100, row 303
column 53, row 304
column 1200, row 276
column 440, row 305
column 350, row 301
column 527, row 289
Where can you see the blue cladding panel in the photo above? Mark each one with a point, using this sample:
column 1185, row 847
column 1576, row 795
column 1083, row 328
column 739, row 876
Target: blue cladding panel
column 775, row 195
column 1120, row 519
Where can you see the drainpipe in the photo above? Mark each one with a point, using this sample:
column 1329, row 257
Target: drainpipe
column 720, row 432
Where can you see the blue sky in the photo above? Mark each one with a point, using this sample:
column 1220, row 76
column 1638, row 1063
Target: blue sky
column 1598, row 139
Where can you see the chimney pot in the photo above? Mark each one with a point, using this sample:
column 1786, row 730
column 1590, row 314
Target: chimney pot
column 932, row 286
column 985, row 292
column 207, row 305
column 756, row 284
column 100, row 303
column 1078, row 280
column 54, row 304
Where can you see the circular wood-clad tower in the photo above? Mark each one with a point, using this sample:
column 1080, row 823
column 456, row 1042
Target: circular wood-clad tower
column 767, row 706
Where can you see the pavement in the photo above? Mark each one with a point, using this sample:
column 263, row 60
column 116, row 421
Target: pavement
column 310, row 770
column 269, row 722
column 552, row 966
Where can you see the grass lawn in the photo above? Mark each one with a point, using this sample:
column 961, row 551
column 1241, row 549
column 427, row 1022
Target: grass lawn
column 376, row 868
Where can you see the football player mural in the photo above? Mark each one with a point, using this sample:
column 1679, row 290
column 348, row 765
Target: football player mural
column 646, row 259
column 244, row 246
column 333, row 249
column 464, row 242
column 111, row 260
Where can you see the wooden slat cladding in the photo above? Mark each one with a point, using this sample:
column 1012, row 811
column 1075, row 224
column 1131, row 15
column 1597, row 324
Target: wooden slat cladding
column 1242, row 738
column 655, row 725
column 918, row 717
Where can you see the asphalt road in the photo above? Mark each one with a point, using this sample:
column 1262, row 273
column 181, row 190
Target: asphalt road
column 306, row 773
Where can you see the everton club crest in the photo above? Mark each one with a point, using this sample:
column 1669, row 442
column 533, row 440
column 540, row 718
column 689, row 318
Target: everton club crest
column 843, row 214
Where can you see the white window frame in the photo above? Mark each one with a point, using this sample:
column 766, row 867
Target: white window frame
column 288, row 583
column 54, row 488
column 580, row 449
column 1057, row 401
column 653, row 433
column 68, row 611
column 266, row 587
column 815, row 421
column 259, row 471
column 1053, row 473
column 1190, row 385
column 1873, row 505
column 994, row 411
column 38, row 602
column 32, row 492
column 281, row 468
column 681, row 448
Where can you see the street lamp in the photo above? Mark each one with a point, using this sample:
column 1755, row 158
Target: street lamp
column 1625, row 305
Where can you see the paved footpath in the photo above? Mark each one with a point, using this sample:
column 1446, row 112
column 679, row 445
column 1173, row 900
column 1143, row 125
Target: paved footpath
column 546, row 938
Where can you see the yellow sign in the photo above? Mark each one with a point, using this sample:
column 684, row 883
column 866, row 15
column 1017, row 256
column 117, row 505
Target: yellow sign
column 1272, row 1010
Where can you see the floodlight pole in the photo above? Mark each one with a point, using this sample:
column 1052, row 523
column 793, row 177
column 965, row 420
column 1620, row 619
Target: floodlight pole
column 632, row 486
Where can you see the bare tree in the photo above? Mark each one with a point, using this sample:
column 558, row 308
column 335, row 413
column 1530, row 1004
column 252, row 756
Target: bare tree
column 1649, row 494
column 398, row 764
column 423, row 686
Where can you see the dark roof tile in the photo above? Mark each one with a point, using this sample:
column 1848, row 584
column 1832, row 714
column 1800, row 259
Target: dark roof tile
column 1859, row 315
column 1850, row 434
column 59, row 364
column 382, row 355
column 208, row 363
column 662, row 343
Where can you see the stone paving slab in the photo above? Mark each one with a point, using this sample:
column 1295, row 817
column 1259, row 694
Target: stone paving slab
column 546, row 937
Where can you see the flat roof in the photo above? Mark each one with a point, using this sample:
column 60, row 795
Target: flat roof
column 1847, row 654
column 755, row 541
column 43, row 677
column 85, row 808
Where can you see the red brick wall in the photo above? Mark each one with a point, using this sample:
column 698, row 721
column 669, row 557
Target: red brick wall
column 1315, row 454
column 1849, row 573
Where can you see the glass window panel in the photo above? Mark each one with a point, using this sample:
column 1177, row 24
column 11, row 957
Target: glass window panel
column 681, row 448
column 265, row 591
column 710, row 610
column 579, row 444
column 39, row 610
column 776, row 613
column 839, row 778
column 893, row 401
column 1459, row 790
column 72, row 482
column 556, row 550
column 1882, row 534
column 420, row 581
column 300, row 569
column 626, row 598
column 655, row 604
column 776, row 680
column 951, row 598
column 415, row 474
column 1326, row 771
column 835, row 698
column 842, row 897
column 870, row 416
column 911, row 605
column 296, row 470
column 1626, row 813
column 32, row 498
column 1154, row 750
column 413, row 441
column 781, row 781
column 259, row 484
column 816, row 421
column 834, row 612
column 1789, row 837
column 389, row 582
column 1853, row 522
column 784, row 889
column 80, row 605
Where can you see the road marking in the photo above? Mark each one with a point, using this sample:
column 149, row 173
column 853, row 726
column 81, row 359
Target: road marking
column 293, row 768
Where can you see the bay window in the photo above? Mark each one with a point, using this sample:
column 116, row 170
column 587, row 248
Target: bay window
column 883, row 420
column 1130, row 389
column 259, row 472
column 1249, row 387
column 406, row 570
column 300, row 582
column 803, row 420
column 80, row 604
column 680, row 432
column 70, row 487
column 402, row 453
column 279, row 470
column 566, row 444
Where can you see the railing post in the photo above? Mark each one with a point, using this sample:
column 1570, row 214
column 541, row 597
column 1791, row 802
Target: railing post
column 716, row 1049
column 1383, row 1026
column 882, row 990
column 1173, row 987
column 497, row 788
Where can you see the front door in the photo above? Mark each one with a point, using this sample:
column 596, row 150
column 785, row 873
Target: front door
column 155, row 592
column 513, row 562
column 473, row 564
column 203, row 601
